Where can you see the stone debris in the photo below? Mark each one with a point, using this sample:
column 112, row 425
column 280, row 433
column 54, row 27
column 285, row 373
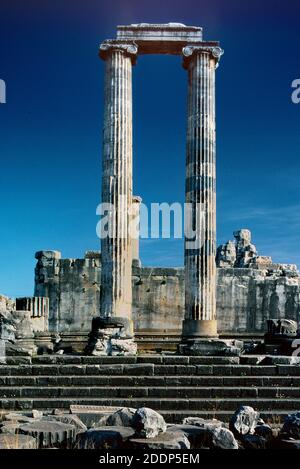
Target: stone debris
column 167, row 440
column 291, row 426
column 125, row 347
column 213, row 347
column 210, row 434
column 21, row 418
column 264, row 431
column 226, row 254
column 203, row 423
column 285, row 327
column 197, row 435
column 245, row 251
column 253, row 442
column 286, row 444
column 145, row 429
column 50, row 433
column 37, row 414
column 122, row 417
column 281, row 336
column 10, row 441
column 10, row 427
column 244, row 421
column 222, row 438
column 239, row 253
column 16, row 329
column 109, row 337
column 69, row 419
column 104, row 438
column 148, row 423
column 93, row 416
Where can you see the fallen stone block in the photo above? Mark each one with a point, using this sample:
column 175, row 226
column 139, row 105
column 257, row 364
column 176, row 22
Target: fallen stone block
column 264, row 431
column 222, row 438
column 243, row 421
column 14, row 349
column 10, row 427
column 37, row 414
column 212, row 347
column 49, row 434
column 203, row 423
column 148, row 423
column 291, row 426
column 196, row 435
column 21, row 418
column 253, row 442
column 286, row 444
column 93, row 416
column 10, row 441
column 104, row 438
column 122, row 417
column 167, row 440
column 69, row 419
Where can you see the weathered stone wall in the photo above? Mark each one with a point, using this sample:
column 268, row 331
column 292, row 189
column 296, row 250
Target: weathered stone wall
column 6, row 304
column 246, row 297
column 73, row 288
column 158, row 299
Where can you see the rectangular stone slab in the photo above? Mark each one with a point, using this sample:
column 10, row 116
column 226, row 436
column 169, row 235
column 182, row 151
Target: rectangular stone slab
column 167, row 38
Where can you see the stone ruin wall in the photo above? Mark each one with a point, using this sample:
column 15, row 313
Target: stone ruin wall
column 250, row 289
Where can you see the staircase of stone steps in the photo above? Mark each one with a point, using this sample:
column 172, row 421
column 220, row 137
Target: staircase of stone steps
column 175, row 386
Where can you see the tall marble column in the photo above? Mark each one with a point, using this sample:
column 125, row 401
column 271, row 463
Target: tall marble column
column 136, row 202
column 200, row 193
column 116, row 250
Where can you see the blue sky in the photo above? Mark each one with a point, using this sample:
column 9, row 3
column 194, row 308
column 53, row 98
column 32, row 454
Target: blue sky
column 51, row 125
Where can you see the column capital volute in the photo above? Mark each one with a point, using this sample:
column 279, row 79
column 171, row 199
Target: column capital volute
column 130, row 49
column 190, row 51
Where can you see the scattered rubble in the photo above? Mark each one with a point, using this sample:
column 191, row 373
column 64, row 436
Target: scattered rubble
column 291, row 426
column 145, row 429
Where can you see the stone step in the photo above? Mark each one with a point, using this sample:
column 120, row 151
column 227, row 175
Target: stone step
column 168, row 404
column 151, row 370
column 153, row 359
column 187, row 392
column 175, row 386
column 146, row 381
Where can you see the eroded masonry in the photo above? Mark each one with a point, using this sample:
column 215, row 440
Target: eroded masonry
column 250, row 290
column 107, row 351
column 226, row 293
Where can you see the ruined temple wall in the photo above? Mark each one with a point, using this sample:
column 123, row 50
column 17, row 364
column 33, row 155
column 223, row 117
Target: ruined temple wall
column 246, row 297
column 158, row 299
column 79, row 294
column 73, row 291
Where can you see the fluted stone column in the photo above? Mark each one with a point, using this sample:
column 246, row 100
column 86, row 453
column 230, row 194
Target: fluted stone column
column 135, row 248
column 200, row 194
column 116, row 251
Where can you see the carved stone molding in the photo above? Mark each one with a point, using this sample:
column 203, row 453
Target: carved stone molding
column 188, row 52
column 130, row 49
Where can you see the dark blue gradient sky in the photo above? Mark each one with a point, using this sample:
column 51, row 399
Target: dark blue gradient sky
column 50, row 128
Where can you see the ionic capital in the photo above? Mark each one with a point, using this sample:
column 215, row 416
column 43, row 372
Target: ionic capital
column 129, row 49
column 189, row 51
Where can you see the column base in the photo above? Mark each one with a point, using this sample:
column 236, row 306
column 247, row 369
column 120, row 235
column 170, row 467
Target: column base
column 211, row 347
column 111, row 337
column 192, row 328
